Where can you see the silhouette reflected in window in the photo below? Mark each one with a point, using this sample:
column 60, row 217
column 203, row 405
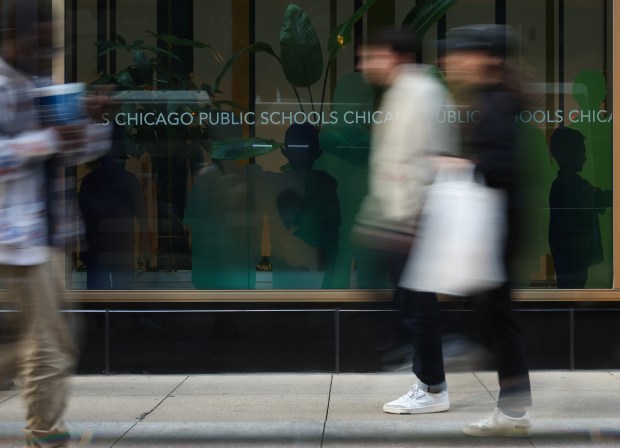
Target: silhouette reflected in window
column 575, row 207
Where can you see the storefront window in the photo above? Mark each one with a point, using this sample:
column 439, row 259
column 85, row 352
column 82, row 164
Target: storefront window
column 566, row 144
column 223, row 176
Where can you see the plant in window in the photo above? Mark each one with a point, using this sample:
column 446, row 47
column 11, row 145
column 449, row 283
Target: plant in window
column 301, row 55
column 156, row 83
column 156, row 87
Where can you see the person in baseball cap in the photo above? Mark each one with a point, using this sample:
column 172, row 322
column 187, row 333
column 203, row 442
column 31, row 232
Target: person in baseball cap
column 477, row 55
column 495, row 40
column 477, row 60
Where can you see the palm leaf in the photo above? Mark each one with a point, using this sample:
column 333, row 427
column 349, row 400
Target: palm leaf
column 300, row 49
column 425, row 14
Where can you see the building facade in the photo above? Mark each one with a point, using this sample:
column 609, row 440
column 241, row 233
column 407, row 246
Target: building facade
column 223, row 224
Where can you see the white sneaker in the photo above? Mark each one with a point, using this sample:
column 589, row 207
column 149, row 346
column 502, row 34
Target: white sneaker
column 417, row 401
column 500, row 425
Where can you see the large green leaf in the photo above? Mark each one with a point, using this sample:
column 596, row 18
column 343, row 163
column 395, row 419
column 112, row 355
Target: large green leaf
column 341, row 35
column 143, row 66
column 242, row 148
column 300, row 49
column 426, row 13
column 125, row 80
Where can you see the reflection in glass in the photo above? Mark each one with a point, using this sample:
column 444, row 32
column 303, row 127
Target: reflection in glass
column 110, row 198
column 594, row 123
column 222, row 227
column 209, row 223
column 574, row 227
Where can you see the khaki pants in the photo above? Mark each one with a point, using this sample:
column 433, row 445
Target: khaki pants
column 43, row 353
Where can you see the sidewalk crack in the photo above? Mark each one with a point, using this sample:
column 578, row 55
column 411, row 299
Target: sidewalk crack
column 4, row 400
column 482, row 384
column 329, row 397
column 145, row 414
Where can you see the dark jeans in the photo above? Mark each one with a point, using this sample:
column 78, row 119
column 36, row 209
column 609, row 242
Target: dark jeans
column 421, row 315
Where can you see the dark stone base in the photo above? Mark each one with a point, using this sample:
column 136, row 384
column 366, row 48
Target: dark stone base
column 164, row 340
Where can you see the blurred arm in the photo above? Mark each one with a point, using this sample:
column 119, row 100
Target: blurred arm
column 24, row 149
column 88, row 142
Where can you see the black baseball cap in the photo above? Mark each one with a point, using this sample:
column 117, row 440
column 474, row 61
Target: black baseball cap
column 497, row 40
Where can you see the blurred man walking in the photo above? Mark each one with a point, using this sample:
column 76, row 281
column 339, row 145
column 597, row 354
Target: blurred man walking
column 404, row 148
column 34, row 221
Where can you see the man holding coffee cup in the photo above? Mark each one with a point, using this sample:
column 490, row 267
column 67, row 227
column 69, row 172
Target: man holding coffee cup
column 35, row 218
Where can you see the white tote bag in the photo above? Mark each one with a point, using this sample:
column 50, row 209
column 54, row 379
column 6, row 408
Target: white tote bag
column 459, row 245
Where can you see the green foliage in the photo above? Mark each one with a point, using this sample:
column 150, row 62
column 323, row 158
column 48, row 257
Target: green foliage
column 154, row 67
column 425, row 14
column 154, row 84
column 341, row 35
column 300, row 49
column 301, row 56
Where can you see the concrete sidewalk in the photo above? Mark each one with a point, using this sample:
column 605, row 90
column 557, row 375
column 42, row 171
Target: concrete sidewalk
column 576, row 409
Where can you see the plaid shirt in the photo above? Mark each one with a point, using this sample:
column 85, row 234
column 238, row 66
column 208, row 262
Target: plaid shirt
column 37, row 198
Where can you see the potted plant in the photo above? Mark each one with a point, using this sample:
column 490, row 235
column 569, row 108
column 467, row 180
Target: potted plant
column 175, row 137
column 301, row 55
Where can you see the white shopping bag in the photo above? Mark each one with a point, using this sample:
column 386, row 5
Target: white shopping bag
column 461, row 235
